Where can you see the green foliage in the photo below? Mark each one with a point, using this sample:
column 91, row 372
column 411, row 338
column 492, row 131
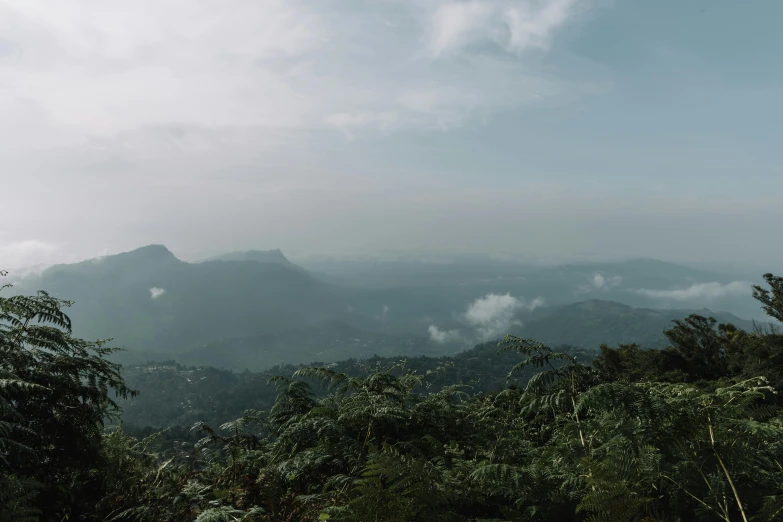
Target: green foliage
column 176, row 396
column 772, row 298
column 55, row 393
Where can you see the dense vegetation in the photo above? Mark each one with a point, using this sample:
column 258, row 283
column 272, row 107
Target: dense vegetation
column 176, row 396
column 690, row 432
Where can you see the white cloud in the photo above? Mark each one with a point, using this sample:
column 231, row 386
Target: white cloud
column 486, row 318
column 699, row 291
column 456, row 24
column 156, row 292
column 601, row 282
column 443, row 336
column 347, row 122
column 276, row 64
column 492, row 315
column 538, row 302
column 516, row 26
column 532, row 27
column 27, row 254
column 384, row 315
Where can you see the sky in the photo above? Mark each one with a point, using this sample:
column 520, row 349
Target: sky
column 547, row 129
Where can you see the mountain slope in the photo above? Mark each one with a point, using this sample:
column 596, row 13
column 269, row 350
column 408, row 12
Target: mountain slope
column 588, row 324
column 274, row 256
column 259, row 256
column 645, row 283
column 584, row 325
column 148, row 299
column 327, row 342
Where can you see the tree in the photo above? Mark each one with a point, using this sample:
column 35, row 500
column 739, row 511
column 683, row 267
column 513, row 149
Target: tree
column 772, row 299
column 55, row 394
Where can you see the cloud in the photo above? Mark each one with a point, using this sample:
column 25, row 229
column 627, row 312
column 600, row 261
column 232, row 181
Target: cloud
column 156, row 292
column 488, row 317
column 28, row 254
column 347, row 123
column 516, row 26
column 277, row 64
column 601, row 282
column 538, row 302
column 384, row 314
column 230, row 103
column 532, row 27
column 443, row 336
column 456, row 24
column 699, row 291
column 492, row 315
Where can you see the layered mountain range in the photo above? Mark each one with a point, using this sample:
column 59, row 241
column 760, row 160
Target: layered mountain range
column 252, row 310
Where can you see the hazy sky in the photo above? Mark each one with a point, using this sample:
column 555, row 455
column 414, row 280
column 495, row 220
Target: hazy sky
column 552, row 128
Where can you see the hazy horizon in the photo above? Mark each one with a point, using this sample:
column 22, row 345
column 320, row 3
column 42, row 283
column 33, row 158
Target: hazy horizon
column 548, row 131
column 52, row 256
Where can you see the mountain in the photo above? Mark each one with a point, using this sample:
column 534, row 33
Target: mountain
column 259, row 256
column 648, row 283
column 256, row 309
column 588, row 324
column 149, row 300
column 584, row 325
column 275, row 256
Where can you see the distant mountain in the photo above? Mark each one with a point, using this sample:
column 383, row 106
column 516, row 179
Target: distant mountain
column 652, row 269
column 259, row 256
column 589, row 324
column 385, row 274
column 648, row 283
column 274, row 256
column 584, row 325
column 149, row 300
column 256, row 309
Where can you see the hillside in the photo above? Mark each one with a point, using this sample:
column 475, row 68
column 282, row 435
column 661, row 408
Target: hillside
column 192, row 393
column 328, row 342
column 259, row 256
column 588, row 324
column 149, row 300
column 585, row 325
column 646, row 283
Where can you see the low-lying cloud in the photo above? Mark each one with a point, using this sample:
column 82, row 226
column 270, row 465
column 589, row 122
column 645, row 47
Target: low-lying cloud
column 486, row 318
column 698, row 291
column 443, row 336
column 384, row 315
column 600, row 282
column 493, row 314
column 156, row 292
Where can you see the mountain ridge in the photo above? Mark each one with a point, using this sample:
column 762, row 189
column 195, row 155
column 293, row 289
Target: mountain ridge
column 260, row 256
column 249, row 306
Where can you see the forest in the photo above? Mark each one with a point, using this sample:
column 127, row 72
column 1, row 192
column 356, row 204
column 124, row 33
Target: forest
column 511, row 431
